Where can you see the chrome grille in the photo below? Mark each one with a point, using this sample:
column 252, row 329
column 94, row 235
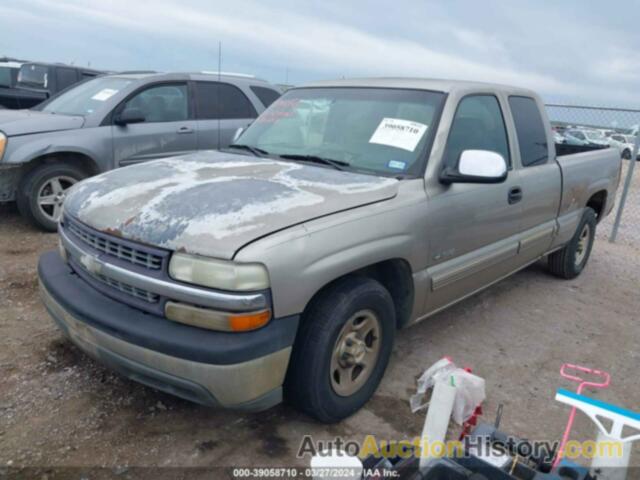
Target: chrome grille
column 114, row 247
column 128, row 289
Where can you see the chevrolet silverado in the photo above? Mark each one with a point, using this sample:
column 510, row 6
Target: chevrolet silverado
column 281, row 268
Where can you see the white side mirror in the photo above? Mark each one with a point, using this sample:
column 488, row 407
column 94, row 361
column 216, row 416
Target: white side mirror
column 482, row 163
column 477, row 166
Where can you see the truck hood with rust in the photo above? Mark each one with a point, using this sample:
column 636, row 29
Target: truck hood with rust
column 214, row 203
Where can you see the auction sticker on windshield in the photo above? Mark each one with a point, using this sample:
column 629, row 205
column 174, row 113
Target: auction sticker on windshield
column 398, row 133
column 104, row 94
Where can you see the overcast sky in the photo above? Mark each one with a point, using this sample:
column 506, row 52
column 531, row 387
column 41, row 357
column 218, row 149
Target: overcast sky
column 572, row 51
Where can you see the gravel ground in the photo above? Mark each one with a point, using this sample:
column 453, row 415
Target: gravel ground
column 59, row 408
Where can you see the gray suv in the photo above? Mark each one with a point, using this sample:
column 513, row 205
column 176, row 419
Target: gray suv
column 114, row 121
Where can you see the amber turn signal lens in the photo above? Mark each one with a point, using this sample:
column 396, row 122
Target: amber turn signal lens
column 246, row 322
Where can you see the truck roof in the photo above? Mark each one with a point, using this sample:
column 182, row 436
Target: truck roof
column 440, row 85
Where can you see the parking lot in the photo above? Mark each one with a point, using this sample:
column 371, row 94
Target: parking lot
column 60, row 408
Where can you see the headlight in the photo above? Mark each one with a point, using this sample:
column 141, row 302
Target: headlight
column 3, row 144
column 221, row 274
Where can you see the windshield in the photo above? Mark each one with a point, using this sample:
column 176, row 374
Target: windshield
column 86, row 97
column 35, row 75
column 5, row 77
column 375, row 130
column 594, row 135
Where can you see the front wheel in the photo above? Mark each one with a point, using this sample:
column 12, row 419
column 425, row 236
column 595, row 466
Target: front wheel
column 626, row 154
column 569, row 262
column 42, row 192
column 342, row 349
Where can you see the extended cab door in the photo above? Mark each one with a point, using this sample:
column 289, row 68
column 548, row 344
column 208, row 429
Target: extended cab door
column 166, row 128
column 221, row 108
column 540, row 177
column 472, row 228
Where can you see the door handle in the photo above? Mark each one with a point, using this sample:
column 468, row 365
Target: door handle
column 185, row 130
column 515, row 195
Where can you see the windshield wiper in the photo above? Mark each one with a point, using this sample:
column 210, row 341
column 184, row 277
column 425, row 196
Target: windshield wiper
column 258, row 152
column 337, row 164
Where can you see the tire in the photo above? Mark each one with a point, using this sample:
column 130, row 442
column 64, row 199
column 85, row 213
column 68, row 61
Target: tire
column 626, row 154
column 37, row 187
column 317, row 382
column 569, row 262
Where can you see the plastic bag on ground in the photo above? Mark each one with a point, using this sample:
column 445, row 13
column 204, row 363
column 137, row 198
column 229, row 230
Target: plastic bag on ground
column 470, row 389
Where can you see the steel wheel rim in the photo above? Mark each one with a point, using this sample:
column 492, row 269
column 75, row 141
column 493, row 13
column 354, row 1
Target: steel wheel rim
column 52, row 194
column 583, row 245
column 355, row 353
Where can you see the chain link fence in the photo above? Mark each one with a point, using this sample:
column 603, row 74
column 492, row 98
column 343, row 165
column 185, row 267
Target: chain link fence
column 617, row 127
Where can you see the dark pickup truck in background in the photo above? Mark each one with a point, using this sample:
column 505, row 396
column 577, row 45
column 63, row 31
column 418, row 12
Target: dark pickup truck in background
column 9, row 69
column 36, row 82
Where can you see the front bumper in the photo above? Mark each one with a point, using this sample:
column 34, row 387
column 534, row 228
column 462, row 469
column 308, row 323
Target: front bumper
column 9, row 178
column 231, row 370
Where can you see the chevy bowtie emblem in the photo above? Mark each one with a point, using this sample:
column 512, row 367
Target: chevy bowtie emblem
column 91, row 263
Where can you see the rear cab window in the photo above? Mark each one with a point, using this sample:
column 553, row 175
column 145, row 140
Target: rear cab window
column 532, row 137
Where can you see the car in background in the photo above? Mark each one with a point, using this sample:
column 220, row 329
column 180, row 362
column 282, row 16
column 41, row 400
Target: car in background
column 37, row 82
column 558, row 137
column 586, row 137
column 9, row 68
column 118, row 120
column 627, row 143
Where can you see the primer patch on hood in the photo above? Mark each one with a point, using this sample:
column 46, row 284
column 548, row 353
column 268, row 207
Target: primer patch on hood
column 212, row 203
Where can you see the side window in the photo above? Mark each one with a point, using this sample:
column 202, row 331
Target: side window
column 532, row 137
column 266, row 95
column 477, row 125
column 222, row 101
column 162, row 103
column 65, row 77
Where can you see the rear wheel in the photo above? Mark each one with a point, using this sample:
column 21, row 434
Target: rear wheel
column 626, row 154
column 570, row 261
column 342, row 349
column 42, row 192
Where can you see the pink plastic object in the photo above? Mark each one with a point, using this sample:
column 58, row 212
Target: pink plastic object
column 576, row 370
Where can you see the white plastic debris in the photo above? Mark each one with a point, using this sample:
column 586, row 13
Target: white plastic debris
column 470, row 389
column 438, row 416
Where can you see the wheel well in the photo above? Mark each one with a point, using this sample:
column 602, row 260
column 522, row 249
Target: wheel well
column 395, row 276
column 597, row 202
column 79, row 160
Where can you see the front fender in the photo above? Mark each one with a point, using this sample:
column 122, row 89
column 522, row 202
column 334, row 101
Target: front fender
column 23, row 149
column 303, row 259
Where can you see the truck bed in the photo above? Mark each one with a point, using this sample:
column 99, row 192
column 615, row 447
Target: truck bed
column 590, row 175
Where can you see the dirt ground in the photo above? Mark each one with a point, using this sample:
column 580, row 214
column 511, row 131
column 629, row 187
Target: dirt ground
column 59, row 408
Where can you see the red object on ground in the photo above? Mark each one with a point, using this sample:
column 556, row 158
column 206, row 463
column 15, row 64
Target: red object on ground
column 472, row 422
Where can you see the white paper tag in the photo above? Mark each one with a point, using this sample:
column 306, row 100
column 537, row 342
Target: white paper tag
column 399, row 133
column 104, row 94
